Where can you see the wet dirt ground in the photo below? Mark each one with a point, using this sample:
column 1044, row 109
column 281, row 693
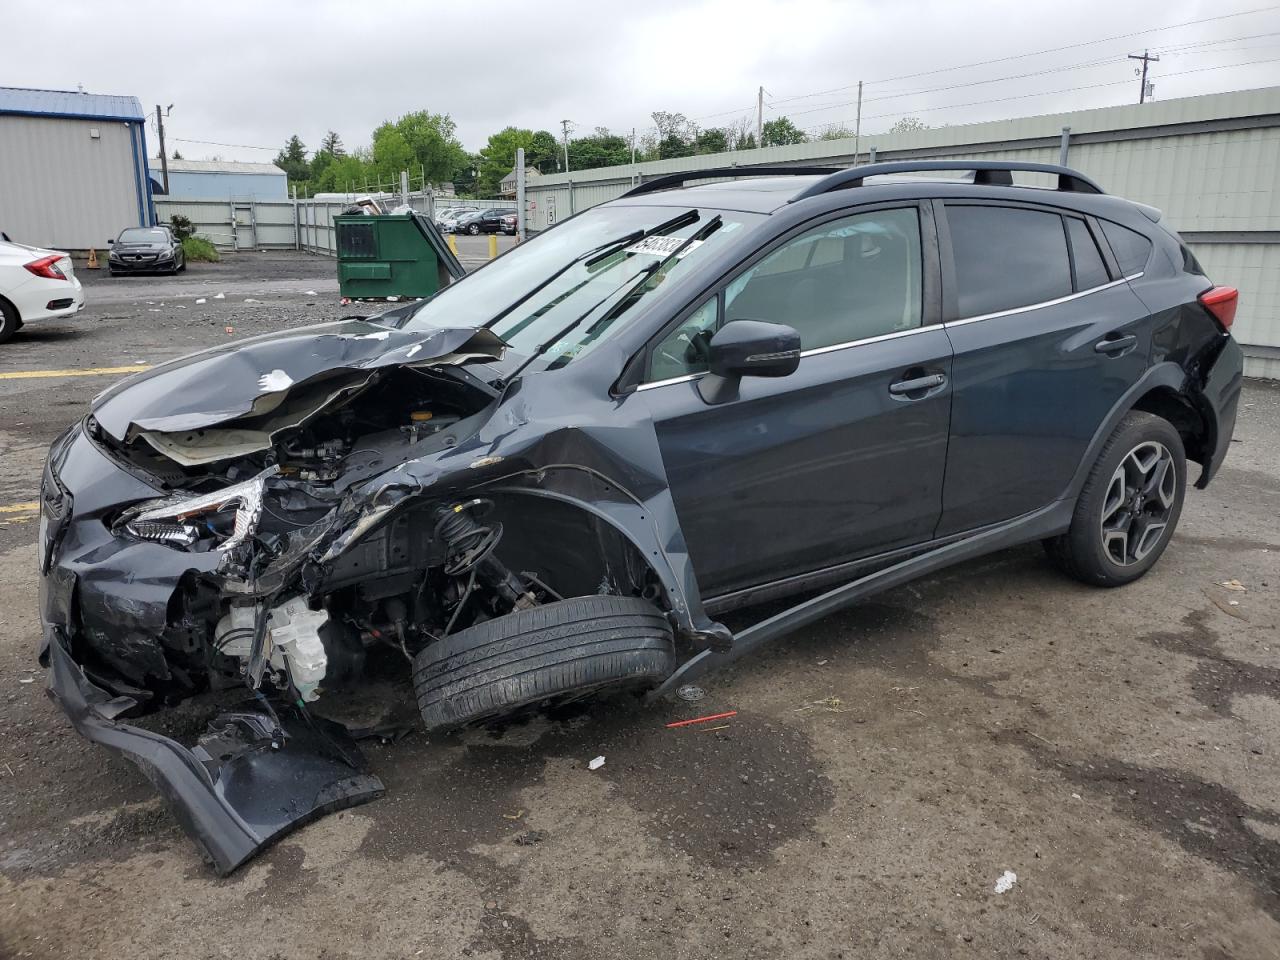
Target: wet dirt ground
column 1117, row 750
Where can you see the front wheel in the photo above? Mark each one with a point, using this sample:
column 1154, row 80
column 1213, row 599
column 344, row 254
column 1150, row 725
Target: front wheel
column 1129, row 506
column 473, row 230
column 549, row 654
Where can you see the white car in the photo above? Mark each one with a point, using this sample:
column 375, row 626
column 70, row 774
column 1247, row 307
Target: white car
column 447, row 219
column 35, row 284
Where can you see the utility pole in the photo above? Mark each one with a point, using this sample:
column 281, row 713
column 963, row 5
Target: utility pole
column 1146, row 57
column 164, row 159
column 633, row 156
column 857, row 126
column 760, row 117
column 564, row 125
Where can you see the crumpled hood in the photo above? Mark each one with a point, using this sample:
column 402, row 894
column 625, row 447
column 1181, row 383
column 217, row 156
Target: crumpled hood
column 252, row 376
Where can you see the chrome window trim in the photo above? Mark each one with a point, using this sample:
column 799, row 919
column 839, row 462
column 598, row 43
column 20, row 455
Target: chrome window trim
column 804, row 353
column 906, row 333
column 1043, row 303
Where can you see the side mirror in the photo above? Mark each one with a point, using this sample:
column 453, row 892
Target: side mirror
column 111, row 243
column 747, row 348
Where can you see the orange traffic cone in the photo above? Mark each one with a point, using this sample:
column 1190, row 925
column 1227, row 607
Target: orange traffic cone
column 93, row 259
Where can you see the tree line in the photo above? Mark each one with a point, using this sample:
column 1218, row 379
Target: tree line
column 426, row 145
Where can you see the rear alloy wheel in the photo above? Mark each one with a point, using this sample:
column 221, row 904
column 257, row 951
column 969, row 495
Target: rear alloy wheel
column 541, row 656
column 9, row 321
column 1129, row 505
column 473, row 229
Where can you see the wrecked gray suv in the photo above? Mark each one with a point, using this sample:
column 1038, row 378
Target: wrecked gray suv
column 550, row 479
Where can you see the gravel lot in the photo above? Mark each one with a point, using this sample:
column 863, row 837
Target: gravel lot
column 1117, row 750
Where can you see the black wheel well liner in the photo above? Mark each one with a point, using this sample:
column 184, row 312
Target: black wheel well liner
column 1169, row 404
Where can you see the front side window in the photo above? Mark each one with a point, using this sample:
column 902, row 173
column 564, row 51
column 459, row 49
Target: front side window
column 1007, row 257
column 847, row 280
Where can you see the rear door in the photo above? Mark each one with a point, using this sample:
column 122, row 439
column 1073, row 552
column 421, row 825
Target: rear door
column 840, row 460
column 1047, row 337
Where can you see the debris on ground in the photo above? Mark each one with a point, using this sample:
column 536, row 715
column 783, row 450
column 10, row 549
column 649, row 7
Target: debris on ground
column 1232, row 585
column 514, row 816
column 596, row 764
column 1006, row 881
column 219, row 296
column 202, row 300
column 529, row 838
column 828, row 704
column 706, row 719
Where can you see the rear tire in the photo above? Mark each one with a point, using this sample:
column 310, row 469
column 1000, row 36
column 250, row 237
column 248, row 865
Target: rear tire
column 1128, row 507
column 9, row 321
column 556, row 652
column 473, row 230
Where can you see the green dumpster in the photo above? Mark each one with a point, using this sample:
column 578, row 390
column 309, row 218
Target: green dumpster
column 392, row 255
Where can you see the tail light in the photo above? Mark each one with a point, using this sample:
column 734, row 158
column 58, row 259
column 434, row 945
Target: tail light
column 1221, row 302
column 46, row 267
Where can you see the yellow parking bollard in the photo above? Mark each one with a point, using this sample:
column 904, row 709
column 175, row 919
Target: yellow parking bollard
column 493, row 245
column 453, row 244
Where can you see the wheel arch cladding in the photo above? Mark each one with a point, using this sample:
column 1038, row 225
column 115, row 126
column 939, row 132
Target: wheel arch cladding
column 1170, row 405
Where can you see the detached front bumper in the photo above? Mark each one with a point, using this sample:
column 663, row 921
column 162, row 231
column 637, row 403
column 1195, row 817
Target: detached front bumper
column 257, row 772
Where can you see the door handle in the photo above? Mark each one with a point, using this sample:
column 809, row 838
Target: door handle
column 917, row 385
column 1115, row 344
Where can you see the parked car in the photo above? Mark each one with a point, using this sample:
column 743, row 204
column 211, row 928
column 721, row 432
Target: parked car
column 551, row 478
column 446, row 219
column 483, row 221
column 508, row 224
column 145, row 249
column 35, row 284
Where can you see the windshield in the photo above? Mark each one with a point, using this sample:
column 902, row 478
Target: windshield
column 537, row 290
column 143, row 235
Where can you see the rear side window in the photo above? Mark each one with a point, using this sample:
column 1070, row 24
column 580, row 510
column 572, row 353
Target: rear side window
column 1131, row 248
column 1086, row 260
column 1006, row 257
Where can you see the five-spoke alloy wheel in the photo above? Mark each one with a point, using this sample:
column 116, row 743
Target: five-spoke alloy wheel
column 1129, row 504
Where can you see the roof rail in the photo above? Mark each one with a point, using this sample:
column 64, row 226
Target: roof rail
column 986, row 172
column 679, row 179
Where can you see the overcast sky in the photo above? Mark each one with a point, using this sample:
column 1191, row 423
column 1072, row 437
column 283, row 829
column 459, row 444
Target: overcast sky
column 248, row 74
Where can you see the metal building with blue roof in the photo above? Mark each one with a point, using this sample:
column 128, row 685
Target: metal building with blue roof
column 73, row 167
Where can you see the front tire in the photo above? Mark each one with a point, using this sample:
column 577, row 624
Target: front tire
column 553, row 653
column 473, row 230
column 1128, row 507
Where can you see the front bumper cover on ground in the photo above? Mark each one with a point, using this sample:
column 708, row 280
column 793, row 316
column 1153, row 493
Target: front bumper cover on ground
column 254, row 777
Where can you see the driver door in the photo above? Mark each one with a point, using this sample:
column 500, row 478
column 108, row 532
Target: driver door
column 837, row 461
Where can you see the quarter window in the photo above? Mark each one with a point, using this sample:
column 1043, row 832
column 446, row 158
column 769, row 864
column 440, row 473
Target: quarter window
column 1131, row 248
column 1007, row 257
column 1086, row 260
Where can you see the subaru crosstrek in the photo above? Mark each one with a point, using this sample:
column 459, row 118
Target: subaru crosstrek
column 549, row 479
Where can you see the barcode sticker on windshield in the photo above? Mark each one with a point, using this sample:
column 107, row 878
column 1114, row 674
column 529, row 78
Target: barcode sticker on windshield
column 664, row 246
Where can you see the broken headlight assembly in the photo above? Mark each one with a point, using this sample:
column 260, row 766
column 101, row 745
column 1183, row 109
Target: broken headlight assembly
column 185, row 520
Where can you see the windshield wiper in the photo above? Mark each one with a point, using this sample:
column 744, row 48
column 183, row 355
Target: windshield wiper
column 626, row 289
column 594, row 256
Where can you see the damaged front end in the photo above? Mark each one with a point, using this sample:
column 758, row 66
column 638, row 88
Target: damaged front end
column 283, row 518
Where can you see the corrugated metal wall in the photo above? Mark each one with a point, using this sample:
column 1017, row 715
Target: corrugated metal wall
column 213, row 185
column 61, row 187
column 1210, row 163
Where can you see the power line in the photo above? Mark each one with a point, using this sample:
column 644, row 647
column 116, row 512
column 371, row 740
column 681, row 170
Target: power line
column 215, row 143
column 1037, row 53
column 1046, row 93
